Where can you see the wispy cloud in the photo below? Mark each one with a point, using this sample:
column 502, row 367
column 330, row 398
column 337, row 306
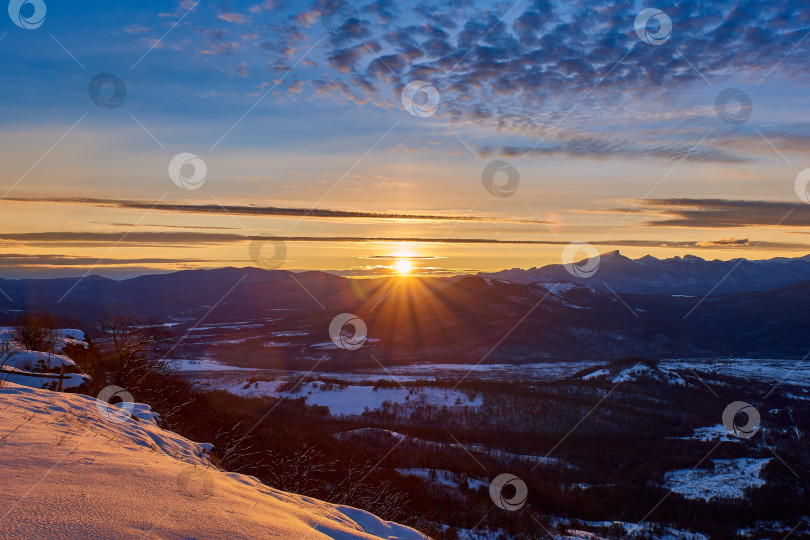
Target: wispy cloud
column 16, row 260
column 611, row 148
column 724, row 242
column 718, row 213
column 169, row 238
column 274, row 211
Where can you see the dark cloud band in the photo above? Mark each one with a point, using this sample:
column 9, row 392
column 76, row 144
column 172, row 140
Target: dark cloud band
column 267, row 211
column 169, row 239
column 722, row 213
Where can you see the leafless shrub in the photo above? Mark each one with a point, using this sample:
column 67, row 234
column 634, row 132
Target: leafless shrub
column 299, row 472
column 234, row 449
column 136, row 346
column 38, row 332
column 358, row 489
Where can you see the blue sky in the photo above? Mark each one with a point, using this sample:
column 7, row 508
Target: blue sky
column 617, row 141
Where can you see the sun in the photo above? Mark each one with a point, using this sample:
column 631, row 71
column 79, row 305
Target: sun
column 403, row 266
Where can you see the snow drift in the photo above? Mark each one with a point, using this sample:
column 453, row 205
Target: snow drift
column 73, row 468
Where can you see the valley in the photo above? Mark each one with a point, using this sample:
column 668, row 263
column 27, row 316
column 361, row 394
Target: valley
column 587, row 437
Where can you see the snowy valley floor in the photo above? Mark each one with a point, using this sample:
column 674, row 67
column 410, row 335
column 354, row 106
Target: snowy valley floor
column 73, row 470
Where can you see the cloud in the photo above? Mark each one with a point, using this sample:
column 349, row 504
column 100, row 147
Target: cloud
column 395, row 257
column 15, row 260
column 275, row 211
column 519, row 69
column 136, row 28
column 604, row 148
column 217, row 41
column 725, row 242
column 166, row 226
column 239, row 69
column 233, row 17
column 716, row 213
column 173, row 239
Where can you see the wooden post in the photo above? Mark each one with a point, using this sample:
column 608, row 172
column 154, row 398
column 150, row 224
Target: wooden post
column 61, row 377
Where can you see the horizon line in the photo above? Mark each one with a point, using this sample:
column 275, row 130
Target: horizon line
column 346, row 273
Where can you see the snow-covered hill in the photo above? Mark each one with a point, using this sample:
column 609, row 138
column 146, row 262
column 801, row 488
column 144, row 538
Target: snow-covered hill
column 73, row 468
column 39, row 369
column 631, row 369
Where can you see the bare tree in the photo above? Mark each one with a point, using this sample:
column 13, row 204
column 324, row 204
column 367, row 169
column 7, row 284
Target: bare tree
column 38, row 332
column 137, row 347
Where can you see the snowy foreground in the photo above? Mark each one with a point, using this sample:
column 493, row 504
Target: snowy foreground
column 73, row 468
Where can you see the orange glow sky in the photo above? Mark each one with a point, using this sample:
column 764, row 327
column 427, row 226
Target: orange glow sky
column 640, row 162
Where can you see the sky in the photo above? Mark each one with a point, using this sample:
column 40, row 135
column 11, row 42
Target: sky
column 461, row 136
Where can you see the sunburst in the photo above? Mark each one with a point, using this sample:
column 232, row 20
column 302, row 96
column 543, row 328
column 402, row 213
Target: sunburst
column 403, row 266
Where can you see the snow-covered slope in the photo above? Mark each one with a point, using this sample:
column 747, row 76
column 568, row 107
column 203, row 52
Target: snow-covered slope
column 41, row 369
column 64, row 337
column 71, row 468
column 631, row 369
column 723, row 479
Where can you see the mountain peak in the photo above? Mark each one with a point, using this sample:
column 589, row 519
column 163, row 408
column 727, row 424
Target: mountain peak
column 614, row 256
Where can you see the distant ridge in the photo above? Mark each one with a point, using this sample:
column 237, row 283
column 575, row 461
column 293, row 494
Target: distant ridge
column 238, row 313
column 689, row 275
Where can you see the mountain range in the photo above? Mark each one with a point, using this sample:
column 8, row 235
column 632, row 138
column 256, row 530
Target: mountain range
column 275, row 318
column 677, row 275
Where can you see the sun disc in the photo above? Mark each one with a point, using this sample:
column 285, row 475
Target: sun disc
column 403, row 266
